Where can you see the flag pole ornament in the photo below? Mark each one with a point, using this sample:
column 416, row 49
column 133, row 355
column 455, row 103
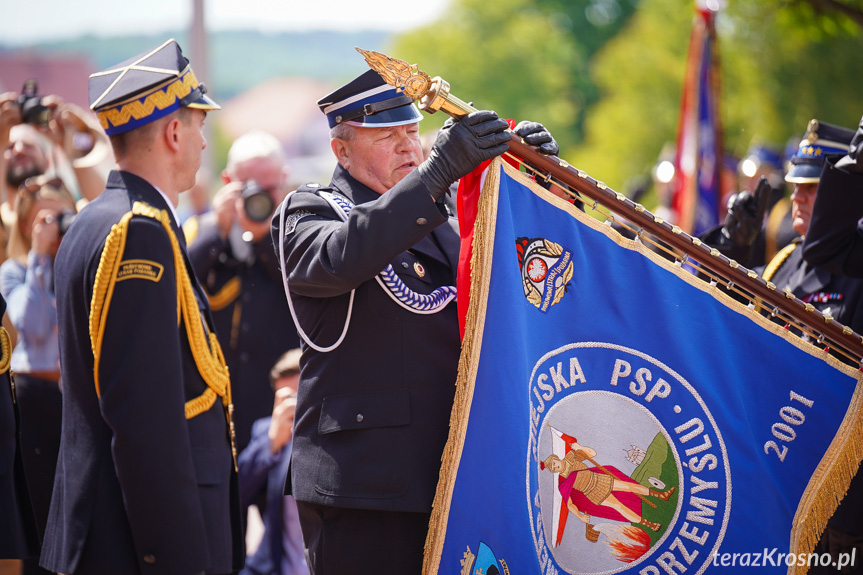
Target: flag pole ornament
column 434, row 94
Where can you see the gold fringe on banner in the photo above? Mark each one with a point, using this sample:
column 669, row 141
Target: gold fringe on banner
column 829, row 484
column 481, row 258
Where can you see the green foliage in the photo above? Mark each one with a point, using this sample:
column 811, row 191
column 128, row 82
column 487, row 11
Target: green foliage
column 507, row 56
column 775, row 76
column 640, row 75
column 591, row 23
column 610, row 91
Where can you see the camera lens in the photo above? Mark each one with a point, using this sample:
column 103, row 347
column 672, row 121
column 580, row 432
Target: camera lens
column 30, row 103
column 65, row 220
column 257, row 202
column 36, row 114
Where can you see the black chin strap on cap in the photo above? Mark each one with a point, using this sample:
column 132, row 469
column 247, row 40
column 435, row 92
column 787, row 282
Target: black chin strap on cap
column 194, row 95
column 374, row 108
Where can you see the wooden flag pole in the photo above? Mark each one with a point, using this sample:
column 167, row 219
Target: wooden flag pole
column 433, row 94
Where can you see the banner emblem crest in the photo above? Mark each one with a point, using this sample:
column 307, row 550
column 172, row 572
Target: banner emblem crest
column 624, row 452
column 546, row 270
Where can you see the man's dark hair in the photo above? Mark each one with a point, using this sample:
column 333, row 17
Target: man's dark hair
column 126, row 142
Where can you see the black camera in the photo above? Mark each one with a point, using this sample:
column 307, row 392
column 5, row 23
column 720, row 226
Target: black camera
column 257, row 202
column 64, row 219
column 30, row 103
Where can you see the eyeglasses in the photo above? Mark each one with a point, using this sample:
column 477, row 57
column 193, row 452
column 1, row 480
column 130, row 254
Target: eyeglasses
column 36, row 183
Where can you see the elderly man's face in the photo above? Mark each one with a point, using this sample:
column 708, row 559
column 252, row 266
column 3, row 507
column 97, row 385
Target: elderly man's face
column 380, row 157
column 24, row 156
column 802, row 202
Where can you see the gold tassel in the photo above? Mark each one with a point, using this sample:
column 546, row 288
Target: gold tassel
column 103, row 289
column 831, row 480
column 229, row 292
column 5, row 350
column 205, row 347
column 777, row 261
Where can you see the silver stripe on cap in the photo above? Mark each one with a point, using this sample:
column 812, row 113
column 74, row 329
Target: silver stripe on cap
column 357, row 97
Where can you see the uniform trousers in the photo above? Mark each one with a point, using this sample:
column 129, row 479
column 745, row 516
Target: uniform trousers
column 837, row 543
column 338, row 540
column 40, row 405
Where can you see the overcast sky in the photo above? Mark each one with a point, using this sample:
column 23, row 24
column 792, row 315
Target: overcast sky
column 29, row 21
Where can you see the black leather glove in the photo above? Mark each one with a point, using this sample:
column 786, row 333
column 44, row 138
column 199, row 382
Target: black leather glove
column 853, row 160
column 460, row 147
column 746, row 215
column 535, row 134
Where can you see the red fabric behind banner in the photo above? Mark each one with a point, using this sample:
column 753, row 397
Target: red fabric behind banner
column 468, row 196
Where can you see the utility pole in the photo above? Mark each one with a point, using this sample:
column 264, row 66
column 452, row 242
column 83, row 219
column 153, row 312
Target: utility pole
column 199, row 57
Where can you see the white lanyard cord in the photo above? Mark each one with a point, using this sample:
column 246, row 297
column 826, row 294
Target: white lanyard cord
column 288, row 292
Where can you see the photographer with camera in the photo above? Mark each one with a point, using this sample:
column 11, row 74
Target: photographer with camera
column 234, row 258
column 44, row 209
column 44, row 135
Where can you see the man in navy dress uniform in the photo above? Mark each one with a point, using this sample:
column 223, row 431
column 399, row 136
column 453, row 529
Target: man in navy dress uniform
column 834, row 295
column 146, row 481
column 19, row 536
column 834, row 243
column 379, row 363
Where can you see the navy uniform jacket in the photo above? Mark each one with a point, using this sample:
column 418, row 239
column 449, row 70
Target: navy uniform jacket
column 835, row 237
column 372, row 415
column 252, row 319
column 139, row 487
column 19, row 537
column 834, row 242
column 838, row 296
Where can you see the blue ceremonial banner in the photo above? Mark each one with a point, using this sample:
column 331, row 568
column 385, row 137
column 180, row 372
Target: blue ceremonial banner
column 616, row 414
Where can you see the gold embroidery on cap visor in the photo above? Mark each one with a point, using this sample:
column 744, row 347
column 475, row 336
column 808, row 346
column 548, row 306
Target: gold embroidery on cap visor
column 161, row 97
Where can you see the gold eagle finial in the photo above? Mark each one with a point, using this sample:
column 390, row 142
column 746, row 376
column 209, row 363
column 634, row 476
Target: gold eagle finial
column 398, row 73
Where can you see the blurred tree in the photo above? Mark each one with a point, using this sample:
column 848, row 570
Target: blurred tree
column 780, row 67
column 508, row 56
column 827, row 15
column 640, row 76
column 591, row 24
column 606, row 76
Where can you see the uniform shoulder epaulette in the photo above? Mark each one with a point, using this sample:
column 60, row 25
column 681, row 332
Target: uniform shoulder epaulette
column 205, row 348
column 779, row 259
column 314, row 188
column 302, row 209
